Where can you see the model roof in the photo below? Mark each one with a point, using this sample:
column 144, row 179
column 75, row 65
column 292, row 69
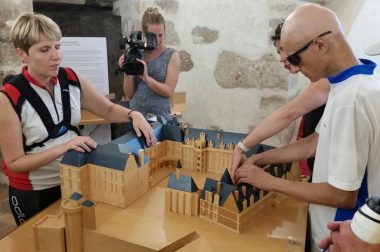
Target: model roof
column 183, row 183
column 113, row 155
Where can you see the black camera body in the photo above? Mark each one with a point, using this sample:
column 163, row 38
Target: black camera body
column 135, row 51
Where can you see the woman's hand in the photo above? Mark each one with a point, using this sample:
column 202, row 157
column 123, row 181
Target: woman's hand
column 121, row 61
column 141, row 126
column 144, row 77
column 81, row 144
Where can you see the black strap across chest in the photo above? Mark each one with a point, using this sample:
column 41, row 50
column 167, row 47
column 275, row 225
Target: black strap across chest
column 54, row 130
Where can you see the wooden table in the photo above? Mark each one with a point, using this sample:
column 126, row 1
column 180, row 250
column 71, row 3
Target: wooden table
column 88, row 118
column 177, row 106
column 281, row 228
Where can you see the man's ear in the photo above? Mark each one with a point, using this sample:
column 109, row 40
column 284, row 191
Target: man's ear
column 22, row 55
column 321, row 45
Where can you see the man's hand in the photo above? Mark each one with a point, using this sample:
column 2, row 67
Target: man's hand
column 141, row 126
column 342, row 239
column 255, row 176
column 238, row 158
column 252, row 160
column 327, row 241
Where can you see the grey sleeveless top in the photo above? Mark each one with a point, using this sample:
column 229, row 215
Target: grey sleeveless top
column 145, row 100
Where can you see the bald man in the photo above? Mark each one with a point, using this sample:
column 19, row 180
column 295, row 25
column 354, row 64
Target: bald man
column 347, row 160
column 310, row 103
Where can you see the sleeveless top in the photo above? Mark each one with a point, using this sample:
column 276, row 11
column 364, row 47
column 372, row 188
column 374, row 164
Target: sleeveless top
column 34, row 130
column 145, row 100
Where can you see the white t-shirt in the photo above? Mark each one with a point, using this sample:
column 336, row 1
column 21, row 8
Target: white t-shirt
column 348, row 148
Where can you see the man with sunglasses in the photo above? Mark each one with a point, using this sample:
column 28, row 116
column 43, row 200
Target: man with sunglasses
column 347, row 162
column 309, row 103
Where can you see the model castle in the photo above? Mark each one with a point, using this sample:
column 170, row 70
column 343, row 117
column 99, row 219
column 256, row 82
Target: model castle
column 121, row 171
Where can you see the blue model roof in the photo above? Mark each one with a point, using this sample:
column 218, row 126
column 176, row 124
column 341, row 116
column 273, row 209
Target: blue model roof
column 226, row 178
column 74, row 158
column 211, row 186
column 227, row 188
column 107, row 155
column 88, row 203
column 172, row 133
column 76, row 196
column 113, row 155
column 184, row 183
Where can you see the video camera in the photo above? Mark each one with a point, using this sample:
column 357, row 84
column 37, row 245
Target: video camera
column 135, row 51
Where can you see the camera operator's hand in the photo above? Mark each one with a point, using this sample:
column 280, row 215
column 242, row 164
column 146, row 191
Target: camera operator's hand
column 141, row 126
column 121, row 61
column 145, row 77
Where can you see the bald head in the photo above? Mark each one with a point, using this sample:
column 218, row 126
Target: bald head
column 313, row 40
column 305, row 23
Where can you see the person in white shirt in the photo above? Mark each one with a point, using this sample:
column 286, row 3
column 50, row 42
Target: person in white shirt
column 347, row 162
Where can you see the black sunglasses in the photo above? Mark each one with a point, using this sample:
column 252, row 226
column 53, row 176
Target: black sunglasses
column 295, row 58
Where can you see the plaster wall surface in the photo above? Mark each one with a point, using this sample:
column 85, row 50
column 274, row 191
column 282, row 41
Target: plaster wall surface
column 365, row 31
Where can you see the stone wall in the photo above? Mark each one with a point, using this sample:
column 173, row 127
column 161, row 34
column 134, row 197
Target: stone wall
column 9, row 62
column 230, row 70
column 9, row 11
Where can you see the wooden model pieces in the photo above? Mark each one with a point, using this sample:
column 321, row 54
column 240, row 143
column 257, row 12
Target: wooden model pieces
column 203, row 155
column 103, row 184
column 89, row 218
column 74, row 230
column 136, row 181
column 49, row 233
column 64, row 231
column 181, row 194
column 73, row 225
column 128, row 176
column 163, row 159
column 234, row 206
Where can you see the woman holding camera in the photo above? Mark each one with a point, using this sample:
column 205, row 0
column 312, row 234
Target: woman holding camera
column 39, row 110
column 151, row 91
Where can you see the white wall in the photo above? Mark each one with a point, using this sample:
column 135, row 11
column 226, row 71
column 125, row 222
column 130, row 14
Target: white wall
column 365, row 31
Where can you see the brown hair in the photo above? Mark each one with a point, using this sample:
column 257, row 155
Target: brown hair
column 28, row 28
column 151, row 16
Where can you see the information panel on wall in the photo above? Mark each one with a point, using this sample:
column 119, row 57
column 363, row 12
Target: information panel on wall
column 88, row 56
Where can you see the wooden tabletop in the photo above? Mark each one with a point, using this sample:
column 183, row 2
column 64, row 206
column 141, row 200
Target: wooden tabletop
column 177, row 106
column 88, row 118
column 280, row 228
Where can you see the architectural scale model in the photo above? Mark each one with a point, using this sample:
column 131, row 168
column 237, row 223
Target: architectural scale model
column 120, row 172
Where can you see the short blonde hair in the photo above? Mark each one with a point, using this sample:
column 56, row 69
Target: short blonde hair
column 152, row 16
column 28, row 28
